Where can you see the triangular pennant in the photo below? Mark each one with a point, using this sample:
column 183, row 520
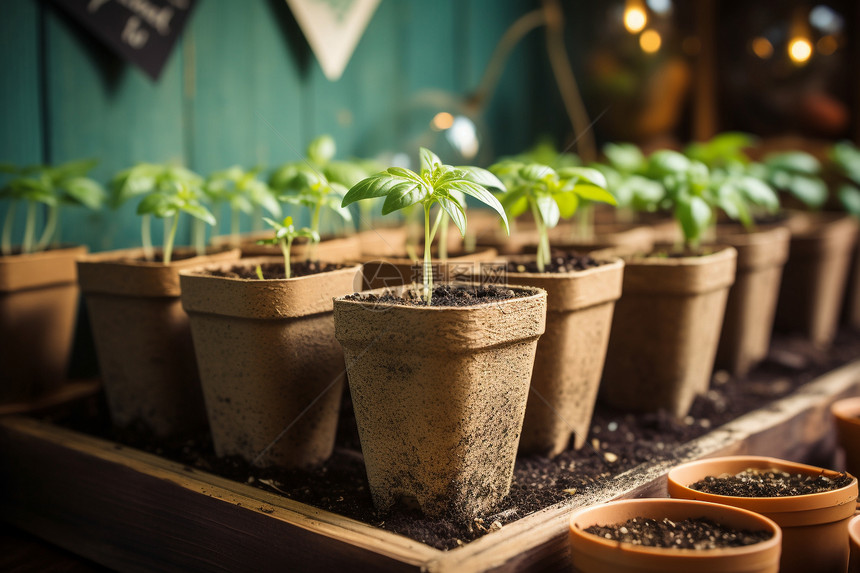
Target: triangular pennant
column 142, row 32
column 333, row 28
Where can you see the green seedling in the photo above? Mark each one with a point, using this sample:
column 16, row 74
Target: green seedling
column 795, row 172
column 625, row 171
column 845, row 162
column 434, row 184
column 53, row 187
column 243, row 193
column 168, row 191
column 285, row 234
column 549, row 195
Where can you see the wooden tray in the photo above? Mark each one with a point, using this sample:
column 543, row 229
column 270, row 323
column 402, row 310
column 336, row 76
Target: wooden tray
column 134, row 511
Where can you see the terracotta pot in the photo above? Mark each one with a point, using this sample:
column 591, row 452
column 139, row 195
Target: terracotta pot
column 439, row 396
column 814, row 527
column 143, row 339
column 38, row 306
column 392, row 272
column 813, row 282
column 745, row 338
column 382, row 242
column 569, row 359
column 854, row 543
column 847, row 415
column 330, row 249
column 665, row 331
column 269, row 362
column 593, row 554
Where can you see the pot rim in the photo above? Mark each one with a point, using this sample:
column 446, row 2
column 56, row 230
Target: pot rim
column 535, row 294
column 200, row 271
column 125, row 257
column 847, row 410
column 480, row 250
column 721, row 252
column 608, row 262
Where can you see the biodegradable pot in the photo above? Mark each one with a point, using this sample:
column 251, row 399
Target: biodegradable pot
column 854, row 542
column 813, row 282
column 392, row 272
column 143, row 340
column 846, row 413
column 439, row 396
column 330, row 249
column 382, row 242
column 593, row 554
column 745, row 338
column 570, row 354
column 271, row 370
column 814, row 527
column 621, row 238
column 38, row 306
column 665, row 331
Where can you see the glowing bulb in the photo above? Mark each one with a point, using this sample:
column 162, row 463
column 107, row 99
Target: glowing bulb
column 650, row 41
column 442, row 121
column 799, row 50
column 634, row 19
column 762, row 48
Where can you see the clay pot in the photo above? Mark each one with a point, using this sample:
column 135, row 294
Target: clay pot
column 143, row 339
column 665, row 331
column 814, row 278
column 814, row 527
column 569, row 359
column 846, row 412
column 439, row 396
column 745, row 338
column 271, row 370
column 330, row 249
column 38, row 306
column 593, row 554
column 854, row 543
column 382, row 242
column 392, row 272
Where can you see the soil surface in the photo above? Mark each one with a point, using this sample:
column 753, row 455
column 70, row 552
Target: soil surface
column 693, row 533
column 617, row 442
column 560, row 262
column 276, row 270
column 444, row 295
column 770, row 483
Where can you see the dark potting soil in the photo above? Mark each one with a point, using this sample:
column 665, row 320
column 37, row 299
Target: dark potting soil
column 276, row 270
column 560, row 262
column 443, row 295
column 180, row 254
column 618, row 441
column 770, row 483
column 694, row 533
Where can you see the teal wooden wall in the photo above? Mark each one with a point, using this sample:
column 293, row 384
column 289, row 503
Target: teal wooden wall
column 242, row 87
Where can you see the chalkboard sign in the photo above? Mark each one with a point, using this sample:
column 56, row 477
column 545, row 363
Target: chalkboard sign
column 141, row 31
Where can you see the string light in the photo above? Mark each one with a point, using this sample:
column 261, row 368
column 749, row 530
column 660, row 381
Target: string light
column 635, row 17
column 650, row 41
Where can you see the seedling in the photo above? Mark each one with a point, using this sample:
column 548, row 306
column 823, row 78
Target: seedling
column 795, row 172
column 285, row 234
column 53, row 187
column 435, row 183
column 625, row 170
column 550, row 195
column 845, row 161
column 243, row 193
column 168, row 192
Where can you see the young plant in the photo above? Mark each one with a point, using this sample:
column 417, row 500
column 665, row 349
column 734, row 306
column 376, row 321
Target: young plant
column 285, row 234
column 435, row 183
column 625, row 170
column 168, row 192
column 243, row 193
column 845, row 162
column 53, row 187
column 795, row 172
column 550, row 195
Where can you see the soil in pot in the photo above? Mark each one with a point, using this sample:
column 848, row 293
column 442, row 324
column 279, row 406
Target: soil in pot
column 770, row 483
column 271, row 370
column 439, row 392
column 698, row 533
column 391, row 272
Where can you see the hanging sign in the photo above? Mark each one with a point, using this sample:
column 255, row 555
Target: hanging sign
column 333, row 28
column 141, row 31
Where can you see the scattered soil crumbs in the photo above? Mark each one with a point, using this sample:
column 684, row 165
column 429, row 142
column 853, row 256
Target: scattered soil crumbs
column 618, row 441
column 694, row 533
column 560, row 262
column 444, row 295
column 770, row 483
column 276, row 270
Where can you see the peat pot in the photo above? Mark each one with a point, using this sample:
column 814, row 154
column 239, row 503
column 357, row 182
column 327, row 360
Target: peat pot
column 814, row 527
column 570, row 354
column 330, row 249
column 666, row 329
column 439, row 395
column 397, row 271
column 593, row 554
column 142, row 338
column 38, row 306
column 271, row 370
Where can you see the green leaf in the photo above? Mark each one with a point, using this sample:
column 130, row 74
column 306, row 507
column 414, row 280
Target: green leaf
column 585, row 175
column 403, row 194
column 478, row 192
column 379, row 185
column 625, row 157
column 758, row 192
column 811, row 190
column 483, row 178
column 429, row 160
column 321, row 150
column 568, row 203
column 549, row 210
column 199, row 212
column 515, row 202
column 156, row 204
column 694, row 214
column 454, row 210
column 667, row 162
column 535, row 172
column 793, row 161
column 85, row 191
column 849, row 196
column 344, row 172
column 594, row 193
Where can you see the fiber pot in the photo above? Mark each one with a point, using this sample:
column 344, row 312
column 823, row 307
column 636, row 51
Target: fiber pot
column 593, row 554
column 38, row 306
column 846, row 413
column 666, row 329
column 271, row 370
column 391, row 272
column 439, row 395
column 330, row 249
column 570, row 354
column 854, row 542
column 813, row 282
column 622, row 238
column 143, row 340
column 814, row 527
column 745, row 338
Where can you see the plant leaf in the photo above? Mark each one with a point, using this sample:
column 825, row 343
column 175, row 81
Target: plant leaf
column 849, row 196
column 321, row 150
column 85, row 191
column 811, row 190
column 429, row 160
column 482, row 177
column 568, row 203
column 455, row 211
column 199, row 212
column 585, row 175
column 594, row 193
column 478, row 192
column 694, row 214
column 403, row 193
column 625, row 157
column 549, row 210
